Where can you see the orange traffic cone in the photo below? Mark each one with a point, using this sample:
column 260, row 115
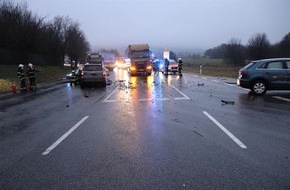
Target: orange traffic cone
column 14, row 89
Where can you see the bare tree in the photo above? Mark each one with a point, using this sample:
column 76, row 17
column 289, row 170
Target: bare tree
column 234, row 53
column 284, row 46
column 258, row 46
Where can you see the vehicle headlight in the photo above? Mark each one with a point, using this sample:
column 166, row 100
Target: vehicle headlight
column 149, row 67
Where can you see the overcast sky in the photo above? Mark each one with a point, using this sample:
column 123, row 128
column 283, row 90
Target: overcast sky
column 173, row 23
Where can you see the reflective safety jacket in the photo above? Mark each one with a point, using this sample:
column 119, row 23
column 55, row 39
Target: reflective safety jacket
column 180, row 63
column 30, row 73
column 20, row 73
column 73, row 77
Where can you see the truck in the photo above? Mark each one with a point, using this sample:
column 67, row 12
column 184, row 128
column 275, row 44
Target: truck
column 109, row 60
column 95, row 58
column 139, row 55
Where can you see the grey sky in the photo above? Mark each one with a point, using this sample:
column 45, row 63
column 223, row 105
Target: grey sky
column 174, row 23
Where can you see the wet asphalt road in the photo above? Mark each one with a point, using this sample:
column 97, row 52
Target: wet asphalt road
column 145, row 132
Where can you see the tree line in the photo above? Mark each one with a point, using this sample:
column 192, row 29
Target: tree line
column 25, row 32
column 258, row 47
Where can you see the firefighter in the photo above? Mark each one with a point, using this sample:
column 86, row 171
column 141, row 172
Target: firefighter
column 30, row 73
column 21, row 76
column 166, row 66
column 180, row 63
column 73, row 78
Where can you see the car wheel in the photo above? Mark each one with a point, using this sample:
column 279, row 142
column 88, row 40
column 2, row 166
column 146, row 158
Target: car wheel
column 259, row 87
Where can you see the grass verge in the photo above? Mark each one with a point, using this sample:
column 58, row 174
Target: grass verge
column 8, row 75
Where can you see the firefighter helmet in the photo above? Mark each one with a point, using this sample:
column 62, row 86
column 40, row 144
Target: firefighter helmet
column 30, row 65
column 21, row 66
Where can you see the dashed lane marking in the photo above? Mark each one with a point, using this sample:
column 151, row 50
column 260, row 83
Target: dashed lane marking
column 229, row 84
column 233, row 137
column 281, row 98
column 54, row 145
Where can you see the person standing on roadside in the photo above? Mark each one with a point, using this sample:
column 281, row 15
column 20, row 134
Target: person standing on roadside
column 30, row 73
column 73, row 78
column 180, row 63
column 166, row 66
column 21, row 76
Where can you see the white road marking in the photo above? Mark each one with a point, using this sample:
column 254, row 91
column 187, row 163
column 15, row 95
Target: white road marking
column 150, row 99
column 230, row 84
column 235, row 139
column 146, row 99
column 180, row 92
column 106, row 99
column 281, row 98
column 215, row 80
column 181, row 98
column 49, row 149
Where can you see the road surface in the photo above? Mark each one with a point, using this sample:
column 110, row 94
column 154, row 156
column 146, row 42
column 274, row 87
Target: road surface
column 146, row 132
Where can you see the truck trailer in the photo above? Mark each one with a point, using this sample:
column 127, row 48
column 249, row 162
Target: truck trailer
column 139, row 55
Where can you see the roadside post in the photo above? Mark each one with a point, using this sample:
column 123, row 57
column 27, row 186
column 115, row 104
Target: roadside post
column 200, row 70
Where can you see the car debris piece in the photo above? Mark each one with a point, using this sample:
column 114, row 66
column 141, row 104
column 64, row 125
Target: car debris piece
column 202, row 84
column 227, row 102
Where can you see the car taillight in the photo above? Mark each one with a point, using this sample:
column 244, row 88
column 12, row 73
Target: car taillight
column 244, row 72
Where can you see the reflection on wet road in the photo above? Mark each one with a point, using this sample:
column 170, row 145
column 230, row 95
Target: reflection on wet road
column 147, row 132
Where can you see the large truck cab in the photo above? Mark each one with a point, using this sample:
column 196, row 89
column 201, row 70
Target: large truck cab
column 140, row 59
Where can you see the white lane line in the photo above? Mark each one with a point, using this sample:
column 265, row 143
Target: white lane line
column 215, row 80
column 229, row 84
column 180, row 92
column 56, row 143
column 106, row 99
column 281, row 98
column 235, row 139
column 181, row 98
column 156, row 99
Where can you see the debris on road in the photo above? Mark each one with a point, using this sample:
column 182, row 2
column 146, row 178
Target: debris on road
column 227, row 102
column 202, row 84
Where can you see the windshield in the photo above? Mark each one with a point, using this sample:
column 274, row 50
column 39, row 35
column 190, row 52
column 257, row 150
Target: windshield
column 140, row 54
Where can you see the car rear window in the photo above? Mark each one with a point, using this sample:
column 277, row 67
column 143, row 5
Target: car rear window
column 288, row 64
column 92, row 68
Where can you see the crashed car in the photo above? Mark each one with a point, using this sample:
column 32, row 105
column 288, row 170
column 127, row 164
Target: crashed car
column 93, row 74
column 267, row 74
column 173, row 67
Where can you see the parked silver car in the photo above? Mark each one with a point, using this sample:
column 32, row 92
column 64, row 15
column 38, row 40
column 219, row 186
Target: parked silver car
column 266, row 74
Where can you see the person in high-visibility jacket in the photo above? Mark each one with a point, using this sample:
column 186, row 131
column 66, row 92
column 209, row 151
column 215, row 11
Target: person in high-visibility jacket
column 180, row 63
column 30, row 73
column 73, row 77
column 21, row 76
